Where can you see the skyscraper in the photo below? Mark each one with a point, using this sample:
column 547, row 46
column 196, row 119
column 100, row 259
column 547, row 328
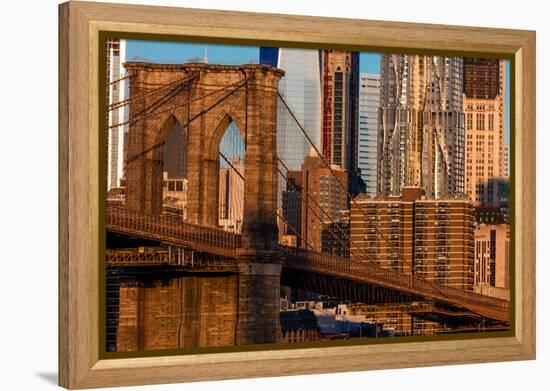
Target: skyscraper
column 506, row 160
column 484, row 91
column 116, row 92
column 367, row 154
column 421, row 125
column 340, row 106
column 301, row 89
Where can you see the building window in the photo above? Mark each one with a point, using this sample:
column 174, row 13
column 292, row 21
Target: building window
column 470, row 121
column 491, row 122
column 480, row 121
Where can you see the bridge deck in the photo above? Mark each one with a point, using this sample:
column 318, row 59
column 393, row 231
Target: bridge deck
column 172, row 230
column 365, row 272
column 210, row 240
column 166, row 257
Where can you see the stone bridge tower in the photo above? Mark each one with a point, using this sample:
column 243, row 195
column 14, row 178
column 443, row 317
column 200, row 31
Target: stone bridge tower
column 203, row 99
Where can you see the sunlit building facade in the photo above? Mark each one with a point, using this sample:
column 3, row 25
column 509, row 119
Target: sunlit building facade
column 492, row 260
column 484, row 94
column 367, row 153
column 231, row 196
column 421, row 125
column 116, row 92
column 324, row 197
column 409, row 233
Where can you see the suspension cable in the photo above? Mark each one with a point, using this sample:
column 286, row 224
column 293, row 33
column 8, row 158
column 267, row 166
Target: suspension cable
column 144, row 95
column 320, row 208
column 236, row 86
column 434, row 285
column 194, row 117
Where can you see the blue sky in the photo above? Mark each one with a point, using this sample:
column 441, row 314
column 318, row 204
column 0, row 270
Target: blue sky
column 369, row 63
column 179, row 52
column 171, row 52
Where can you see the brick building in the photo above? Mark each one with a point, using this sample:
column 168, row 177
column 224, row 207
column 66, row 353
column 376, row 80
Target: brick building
column 492, row 259
column 484, row 94
column 326, row 196
column 434, row 239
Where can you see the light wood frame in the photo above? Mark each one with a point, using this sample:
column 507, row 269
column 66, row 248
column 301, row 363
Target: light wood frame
column 79, row 362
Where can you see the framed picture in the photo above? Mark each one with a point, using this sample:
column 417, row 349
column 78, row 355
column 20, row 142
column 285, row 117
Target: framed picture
column 246, row 195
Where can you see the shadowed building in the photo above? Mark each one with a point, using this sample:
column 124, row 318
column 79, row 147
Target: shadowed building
column 292, row 206
column 332, row 234
column 340, row 111
column 299, row 326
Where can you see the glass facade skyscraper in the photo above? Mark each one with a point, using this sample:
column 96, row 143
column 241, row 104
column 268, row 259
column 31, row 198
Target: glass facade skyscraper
column 301, row 89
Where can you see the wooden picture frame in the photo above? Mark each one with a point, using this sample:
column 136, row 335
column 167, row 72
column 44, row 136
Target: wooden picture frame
column 80, row 24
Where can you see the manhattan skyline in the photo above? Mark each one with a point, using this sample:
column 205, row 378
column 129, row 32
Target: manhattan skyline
column 180, row 52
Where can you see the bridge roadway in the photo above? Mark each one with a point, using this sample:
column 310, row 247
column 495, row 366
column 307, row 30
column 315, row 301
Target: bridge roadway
column 172, row 230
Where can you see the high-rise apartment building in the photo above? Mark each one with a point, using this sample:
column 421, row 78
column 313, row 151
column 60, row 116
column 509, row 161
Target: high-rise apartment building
column 324, row 195
column 340, row 96
column 492, row 259
column 231, row 196
column 116, row 92
column 421, row 125
column 434, row 239
column 506, row 160
column 484, row 94
column 367, row 153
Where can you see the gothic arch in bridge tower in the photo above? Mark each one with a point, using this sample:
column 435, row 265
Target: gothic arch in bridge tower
column 173, row 139
column 204, row 99
column 231, row 180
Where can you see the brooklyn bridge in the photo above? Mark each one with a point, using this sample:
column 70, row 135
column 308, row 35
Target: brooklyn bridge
column 202, row 101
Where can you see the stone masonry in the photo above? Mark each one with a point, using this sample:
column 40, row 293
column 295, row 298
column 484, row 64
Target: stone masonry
column 204, row 106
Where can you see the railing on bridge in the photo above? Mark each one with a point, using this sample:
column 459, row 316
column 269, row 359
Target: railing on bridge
column 167, row 256
column 172, row 229
column 370, row 273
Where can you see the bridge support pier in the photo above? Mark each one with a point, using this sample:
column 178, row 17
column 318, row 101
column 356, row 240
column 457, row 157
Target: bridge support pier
column 258, row 300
